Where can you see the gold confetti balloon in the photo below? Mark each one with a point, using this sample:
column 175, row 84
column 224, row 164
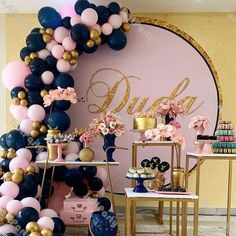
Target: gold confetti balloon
column 2, row 220
column 9, row 218
column 3, row 212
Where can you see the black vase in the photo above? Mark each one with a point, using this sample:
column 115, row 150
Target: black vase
column 109, row 141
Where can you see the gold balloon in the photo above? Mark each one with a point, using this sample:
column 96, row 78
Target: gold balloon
column 90, row 43
column 98, row 41
column 43, row 93
column 42, row 31
column 9, row 218
column 67, row 56
column 21, row 95
column 11, row 150
column 3, row 154
column 47, row 38
column 7, row 176
column 17, row 178
column 36, row 125
column 94, row 195
column 94, row 34
column 46, row 232
column 34, row 133
column 11, row 155
column 3, row 212
column 75, row 54
column 24, row 102
column 18, row 171
column 1, row 172
column 27, row 60
column 35, row 234
column 32, row 227
column 33, row 55
column 16, row 101
column 50, row 31
column 31, row 169
column 2, row 220
column 126, row 27
column 43, row 129
column 73, row 62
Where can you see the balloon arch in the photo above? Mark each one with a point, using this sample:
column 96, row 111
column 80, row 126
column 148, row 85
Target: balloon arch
column 51, row 53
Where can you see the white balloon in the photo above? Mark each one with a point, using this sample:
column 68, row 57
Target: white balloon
column 72, row 147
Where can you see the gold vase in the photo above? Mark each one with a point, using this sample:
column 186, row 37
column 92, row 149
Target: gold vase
column 178, row 177
column 144, row 123
column 86, row 154
column 52, row 149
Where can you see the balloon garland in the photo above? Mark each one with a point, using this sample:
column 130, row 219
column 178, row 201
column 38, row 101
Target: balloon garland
column 50, row 54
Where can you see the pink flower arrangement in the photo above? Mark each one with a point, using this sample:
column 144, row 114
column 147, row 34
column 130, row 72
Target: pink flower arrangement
column 175, row 123
column 58, row 94
column 199, row 121
column 86, row 137
column 107, row 123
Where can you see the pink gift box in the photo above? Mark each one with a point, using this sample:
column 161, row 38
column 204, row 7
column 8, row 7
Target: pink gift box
column 70, row 218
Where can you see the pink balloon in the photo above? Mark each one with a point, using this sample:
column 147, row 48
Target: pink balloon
column 115, row 20
column 24, row 153
column 124, row 16
column 60, row 33
column 48, row 212
column 36, row 113
column 102, row 192
column 9, row 189
column 89, row 17
column 68, row 44
column 57, row 51
column 20, row 112
column 35, row 165
column 43, row 54
column 14, row 74
column 26, row 126
column 45, row 223
column 67, row 10
column 102, row 174
column 98, row 28
column 51, row 44
column 18, row 162
column 63, row 66
column 7, row 228
column 72, row 147
column 4, row 201
column 31, row 202
column 107, row 28
column 14, row 206
column 75, row 20
column 71, row 157
column 47, row 77
column 42, row 156
column 56, row 202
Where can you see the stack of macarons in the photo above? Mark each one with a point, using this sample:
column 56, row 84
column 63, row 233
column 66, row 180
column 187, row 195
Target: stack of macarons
column 226, row 136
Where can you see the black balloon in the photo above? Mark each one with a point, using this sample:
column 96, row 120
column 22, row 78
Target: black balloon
column 164, row 166
column 114, row 8
column 88, row 171
column 156, row 160
column 51, row 62
column 59, row 173
column 66, row 22
column 60, row 120
column 34, row 42
column 95, row 184
column 40, row 141
column 24, row 52
column 80, row 190
column 93, row 6
column 16, row 139
column 80, row 33
column 103, row 14
column 10, row 234
column 104, row 39
column 62, row 105
column 16, row 90
column 73, row 177
column 153, row 165
column 145, row 163
column 63, row 80
column 90, row 50
column 35, row 30
column 104, row 203
column 5, row 165
column 34, row 97
column 38, row 66
column 59, row 226
column 117, row 40
column 26, row 215
column 3, row 142
column 33, row 82
column 81, row 5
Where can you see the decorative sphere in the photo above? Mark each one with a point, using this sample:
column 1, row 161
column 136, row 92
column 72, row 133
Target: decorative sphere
column 32, row 227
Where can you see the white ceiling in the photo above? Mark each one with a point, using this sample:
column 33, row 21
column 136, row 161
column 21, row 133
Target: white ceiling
column 32, row 6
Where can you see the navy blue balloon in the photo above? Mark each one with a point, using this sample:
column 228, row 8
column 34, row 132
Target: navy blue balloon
column 117, row 40
column 16, row 139
column 16, row 90
column 5, row 165
column 88, row 171
column 35, row 30
column 60, row 120
column 34, row 97
column 66, row 22
column 38, row 66
column 59, row 226
column 80, row 33
column 34, row 42
column 51, row 62
column 26, row 215
column 105, row 203
column 62, row 105
column 24, row 52
column 59, row 173
column 40, row 140
column 33, row 82
column 104, row 39
column 49, row 18
column 81, row 5
column 103, row 14
column 63, row 80
column 95, row 184
column 73, row 177
column 80, row 190
column 114, row 8
column 90, row 50
column 3, row 142
column 93, row 6
column 10, row 234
